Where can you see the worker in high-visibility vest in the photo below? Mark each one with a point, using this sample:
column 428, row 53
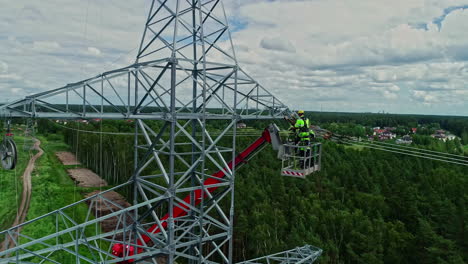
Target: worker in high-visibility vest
column 303, row 136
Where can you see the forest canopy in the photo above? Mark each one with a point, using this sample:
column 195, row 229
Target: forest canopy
column 365, row 206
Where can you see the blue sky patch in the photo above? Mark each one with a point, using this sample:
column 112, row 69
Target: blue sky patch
column 439, row 20
column 236, row 24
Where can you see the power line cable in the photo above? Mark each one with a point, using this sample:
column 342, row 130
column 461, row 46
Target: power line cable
column 132, row 134
column 421, row 149
column 393, row 148
column 353, row 143
column 340, row 137
column 410, row 151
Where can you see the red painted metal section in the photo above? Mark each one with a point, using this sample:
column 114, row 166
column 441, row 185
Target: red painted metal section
column 182, row 209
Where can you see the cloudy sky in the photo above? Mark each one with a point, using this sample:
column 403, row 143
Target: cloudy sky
column 399, row 56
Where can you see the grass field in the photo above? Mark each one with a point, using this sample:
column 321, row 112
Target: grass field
column 11, row 185
column 52, row 190
column 356, row 147
column 52, row 187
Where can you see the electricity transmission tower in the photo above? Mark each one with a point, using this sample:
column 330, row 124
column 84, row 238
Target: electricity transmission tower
column 187, row 77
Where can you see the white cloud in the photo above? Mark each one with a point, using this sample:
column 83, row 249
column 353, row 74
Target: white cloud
column 3, row 67
column 424, row 97
column 390, row 95
column 9, row 77
column 368, row 43
column 362, row 56
column 387, row 90
column 17, row 91
column 393, row 88
column 93, row 51
column 277, row 43
column 46, row 46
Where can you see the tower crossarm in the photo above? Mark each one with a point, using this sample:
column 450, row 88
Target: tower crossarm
column 141, row 91
column 303, row 255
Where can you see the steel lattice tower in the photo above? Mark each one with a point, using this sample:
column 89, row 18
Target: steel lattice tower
column 187, row 77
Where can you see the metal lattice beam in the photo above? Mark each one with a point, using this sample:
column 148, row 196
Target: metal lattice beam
column 185, row 75
column 142, row 91
column 300, row 255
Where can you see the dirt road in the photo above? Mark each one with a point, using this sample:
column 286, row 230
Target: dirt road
column 67, row 158
column 26, row 196
column 86, row 178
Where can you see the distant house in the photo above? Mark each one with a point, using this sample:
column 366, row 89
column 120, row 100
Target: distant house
column 443, row 135
column 414, row 130
column 61, row 121
column 382, row 138
column 378, row 131
column 407, row 137
column 451, row 137
column 405, row 140
column 385, row 134
column 440, row 132
column 439, row 137
column 241, row 125
column 84, row 121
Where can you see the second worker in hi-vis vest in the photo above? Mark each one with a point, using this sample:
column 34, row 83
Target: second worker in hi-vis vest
column 303, row 137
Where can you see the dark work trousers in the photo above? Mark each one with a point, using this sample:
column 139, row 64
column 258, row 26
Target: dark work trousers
column 304, row 154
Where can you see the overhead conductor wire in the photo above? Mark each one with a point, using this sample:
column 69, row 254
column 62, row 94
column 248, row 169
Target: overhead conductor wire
column 408, row 149
column 398, row 149
column 421, row 149
column 406, row 152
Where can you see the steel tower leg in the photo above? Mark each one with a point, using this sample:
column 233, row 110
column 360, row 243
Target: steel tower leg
column 192, row 251
column 187, row 78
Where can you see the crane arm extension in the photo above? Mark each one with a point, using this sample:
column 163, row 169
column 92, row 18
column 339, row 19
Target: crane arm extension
column 182, row 209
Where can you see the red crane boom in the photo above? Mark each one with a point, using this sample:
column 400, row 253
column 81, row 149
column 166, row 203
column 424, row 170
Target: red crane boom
column 181, row 209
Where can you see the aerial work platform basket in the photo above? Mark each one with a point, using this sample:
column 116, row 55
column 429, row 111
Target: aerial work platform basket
column 300, row 160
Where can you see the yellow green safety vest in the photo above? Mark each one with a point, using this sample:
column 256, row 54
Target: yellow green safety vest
column 303, row 129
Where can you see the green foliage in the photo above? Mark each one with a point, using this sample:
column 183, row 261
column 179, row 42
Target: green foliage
column 365, row 206
column 11, row 187
column 54, row 137
column 110, row 156
column 54, row 189
column 349, row 129
column 464, row 137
